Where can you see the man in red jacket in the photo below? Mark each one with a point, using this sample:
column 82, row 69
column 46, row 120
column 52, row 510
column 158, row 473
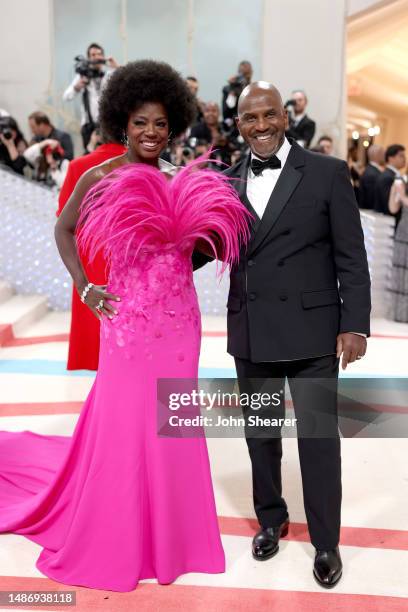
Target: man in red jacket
column 84, row 334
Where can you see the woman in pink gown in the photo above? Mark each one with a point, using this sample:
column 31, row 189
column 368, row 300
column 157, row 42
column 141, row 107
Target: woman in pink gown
column 115, row 503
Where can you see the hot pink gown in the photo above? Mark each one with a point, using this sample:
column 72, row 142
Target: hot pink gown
column 115, row 503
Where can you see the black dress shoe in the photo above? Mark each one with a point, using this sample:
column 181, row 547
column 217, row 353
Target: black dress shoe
column 328, row 567
column 266, row 542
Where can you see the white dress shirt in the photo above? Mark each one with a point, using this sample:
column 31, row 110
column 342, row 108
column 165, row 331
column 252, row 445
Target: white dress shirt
column 95, row 87
column 259, row 188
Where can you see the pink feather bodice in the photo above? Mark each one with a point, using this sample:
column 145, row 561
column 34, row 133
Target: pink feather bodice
column 147, row 227
column 136, row 207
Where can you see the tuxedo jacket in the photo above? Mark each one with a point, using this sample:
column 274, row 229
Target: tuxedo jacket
column 367, row 187
column 382, row 190
column 303, row 278
column 304, row 130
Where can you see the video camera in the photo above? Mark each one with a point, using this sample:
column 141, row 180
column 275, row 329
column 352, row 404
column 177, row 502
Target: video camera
column 238, row 84
column 290, row 107
column 87, row 68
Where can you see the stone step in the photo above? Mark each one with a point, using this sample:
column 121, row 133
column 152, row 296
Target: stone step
column 5, row 291
column 20, row 311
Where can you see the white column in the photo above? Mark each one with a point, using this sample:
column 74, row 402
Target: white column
column 26, row 57
column 304, row 48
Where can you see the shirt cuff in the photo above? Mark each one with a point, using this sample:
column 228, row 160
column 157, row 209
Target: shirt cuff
column 358, row 334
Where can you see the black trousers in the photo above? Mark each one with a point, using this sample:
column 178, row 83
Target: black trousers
column 319, row 454
column 86, row 133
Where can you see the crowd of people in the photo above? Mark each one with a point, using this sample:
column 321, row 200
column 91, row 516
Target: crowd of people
column 383, row 187
column 45, row 155
column 379, row 183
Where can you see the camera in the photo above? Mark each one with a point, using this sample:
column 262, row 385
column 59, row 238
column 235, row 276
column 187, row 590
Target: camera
column 56, row 155
column 88, row 68
column 5, row 128
column 187, row 152
column 238, row 83
column 290, row 107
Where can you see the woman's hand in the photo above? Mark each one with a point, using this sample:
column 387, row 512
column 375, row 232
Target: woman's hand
column 11, row 146
column 94, row 297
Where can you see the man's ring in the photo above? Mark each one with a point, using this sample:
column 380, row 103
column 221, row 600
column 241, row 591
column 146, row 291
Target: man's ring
column 359, row 356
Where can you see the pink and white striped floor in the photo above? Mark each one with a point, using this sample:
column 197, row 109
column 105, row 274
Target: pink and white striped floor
column 36, row 394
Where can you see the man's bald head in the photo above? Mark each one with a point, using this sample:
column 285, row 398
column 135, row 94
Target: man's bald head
column 376, row 153
column 262, row 119
column 258, row 89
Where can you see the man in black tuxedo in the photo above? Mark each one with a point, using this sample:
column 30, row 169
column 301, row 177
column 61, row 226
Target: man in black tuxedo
column 395, row 161
column 301, row 128
column 368, row 179
column 299, row 300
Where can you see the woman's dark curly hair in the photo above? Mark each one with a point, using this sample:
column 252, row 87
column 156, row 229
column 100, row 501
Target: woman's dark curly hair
column 137, row 83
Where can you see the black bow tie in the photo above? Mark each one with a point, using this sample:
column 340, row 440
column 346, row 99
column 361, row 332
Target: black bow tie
column 257, row 166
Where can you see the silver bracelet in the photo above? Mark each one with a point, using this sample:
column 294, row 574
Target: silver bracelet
column 85, row 292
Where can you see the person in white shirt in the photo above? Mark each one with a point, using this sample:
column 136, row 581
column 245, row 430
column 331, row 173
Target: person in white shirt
column 91, row 88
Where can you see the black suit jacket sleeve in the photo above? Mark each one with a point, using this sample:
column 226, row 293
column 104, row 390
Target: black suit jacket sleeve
column 308, row 132
column 349, row 255
column 305, row 131
column 383, row 189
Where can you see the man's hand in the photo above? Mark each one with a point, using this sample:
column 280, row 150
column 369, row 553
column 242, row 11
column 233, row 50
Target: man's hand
column 111, row 62
column 352, row 346
column 82, row 83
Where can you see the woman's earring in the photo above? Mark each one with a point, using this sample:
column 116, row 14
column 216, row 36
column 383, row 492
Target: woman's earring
column 125, row 140
column 170, row 137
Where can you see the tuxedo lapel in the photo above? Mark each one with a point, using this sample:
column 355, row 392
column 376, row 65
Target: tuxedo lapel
column 288, row 180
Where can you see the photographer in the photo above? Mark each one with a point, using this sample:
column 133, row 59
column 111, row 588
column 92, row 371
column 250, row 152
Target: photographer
column 301, row 127
column 49, row 161
column 232, row 91
column 90, row 79
column 212, row 132
column 193, row 85
column 12, row 145
column 43, row 129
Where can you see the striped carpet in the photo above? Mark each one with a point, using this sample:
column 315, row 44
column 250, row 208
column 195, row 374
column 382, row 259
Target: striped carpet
column 37, row 393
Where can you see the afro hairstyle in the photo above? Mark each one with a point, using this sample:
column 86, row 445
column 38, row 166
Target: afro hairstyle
column 137, row 83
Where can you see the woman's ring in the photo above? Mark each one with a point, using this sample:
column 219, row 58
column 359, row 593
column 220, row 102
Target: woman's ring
column 100, row 305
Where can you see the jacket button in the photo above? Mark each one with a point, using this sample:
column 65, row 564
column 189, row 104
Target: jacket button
column 251, row 262
column 283, row 298
column 286, row 232
column 252, row 296
column 281, row 262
